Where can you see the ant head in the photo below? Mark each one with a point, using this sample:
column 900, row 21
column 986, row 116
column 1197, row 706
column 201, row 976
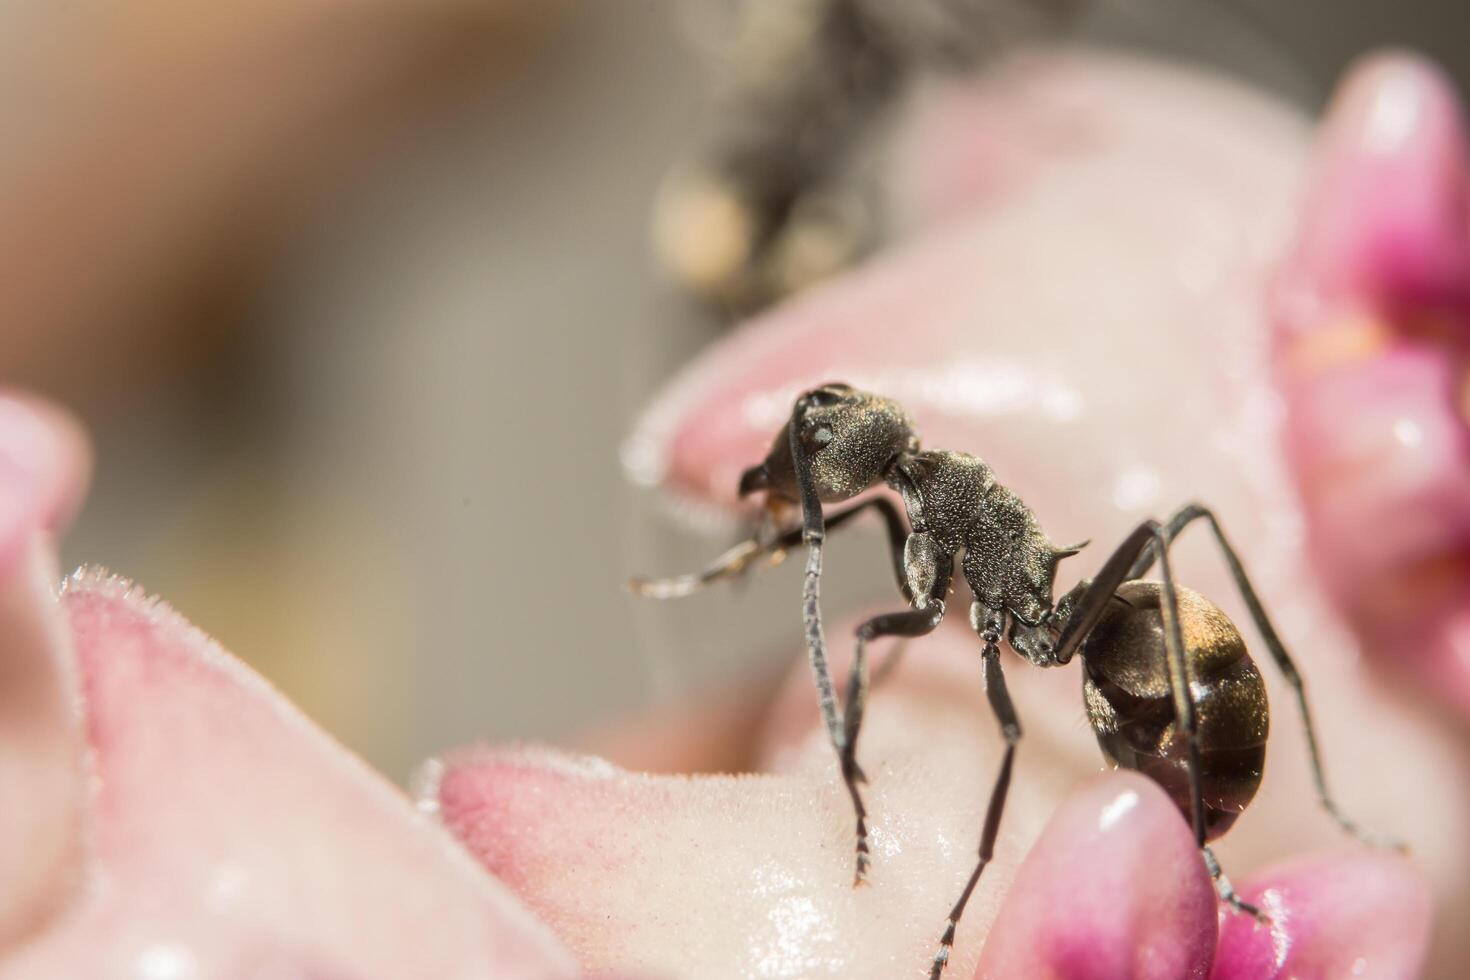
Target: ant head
column 850, row 438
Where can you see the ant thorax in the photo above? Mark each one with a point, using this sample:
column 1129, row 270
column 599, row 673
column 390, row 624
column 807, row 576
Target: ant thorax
column 1009, row 562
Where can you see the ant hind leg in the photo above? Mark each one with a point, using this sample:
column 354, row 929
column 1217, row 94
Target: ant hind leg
column 1146, row 544
column 1193, row 512
column 1227, row 891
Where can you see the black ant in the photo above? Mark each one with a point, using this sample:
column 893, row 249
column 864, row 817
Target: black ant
column 1169, row 687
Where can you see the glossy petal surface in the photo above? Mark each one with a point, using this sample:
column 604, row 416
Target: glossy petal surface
column 1113, row 890
column 1339, row 916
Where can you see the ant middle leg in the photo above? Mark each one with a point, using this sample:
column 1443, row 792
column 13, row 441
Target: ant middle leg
column 907, row 624
column 1182, row 518
column 1010, row 728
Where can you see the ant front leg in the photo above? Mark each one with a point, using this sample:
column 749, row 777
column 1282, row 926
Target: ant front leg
column 989, row 623
column 929, row 579
column 1187, row 515
column 739, row 559
column 813, row 534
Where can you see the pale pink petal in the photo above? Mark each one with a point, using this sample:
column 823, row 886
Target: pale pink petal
column 751, row 875
column 231, row 838
column 42, row 778
column 45, row 464
column 1138, row 254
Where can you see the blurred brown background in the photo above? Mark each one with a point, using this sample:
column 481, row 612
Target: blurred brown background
column 357, row 301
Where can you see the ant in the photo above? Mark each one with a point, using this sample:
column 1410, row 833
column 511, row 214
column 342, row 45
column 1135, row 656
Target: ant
column 1169, row 687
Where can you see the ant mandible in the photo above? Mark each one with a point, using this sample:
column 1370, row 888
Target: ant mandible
column 1169, row 687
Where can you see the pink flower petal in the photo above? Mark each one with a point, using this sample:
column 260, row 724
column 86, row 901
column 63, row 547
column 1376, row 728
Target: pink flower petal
column 1373, row 346
column 751, row 875
column 1114, row 890
column 42, row 466
column 1388, row 207
column 1113, row 261
column 719, row 876
column 1101, row 335
column 1364, row 915
column 231, row 838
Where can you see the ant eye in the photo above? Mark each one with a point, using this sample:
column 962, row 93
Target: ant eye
column 826, row 397
column 815, row 436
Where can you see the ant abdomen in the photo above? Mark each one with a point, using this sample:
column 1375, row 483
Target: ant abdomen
column 1131, row 707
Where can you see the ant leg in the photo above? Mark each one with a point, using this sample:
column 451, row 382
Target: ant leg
column 1149, row 536
column 1180, row 683
column 1227, row 891
column 909, row 623
column 738, row 559
column 1193, row 512
column 813, row 533
column 731, row 564
column 1010, row 728
column 1094, row 600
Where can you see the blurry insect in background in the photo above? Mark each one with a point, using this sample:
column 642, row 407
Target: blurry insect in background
column 1169, row 687
column 776, row 196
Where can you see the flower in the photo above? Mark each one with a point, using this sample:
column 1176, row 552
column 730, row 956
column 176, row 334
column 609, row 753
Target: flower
column 1098, row 326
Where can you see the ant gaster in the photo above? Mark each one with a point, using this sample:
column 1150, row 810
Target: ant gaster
column 1168, row 685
